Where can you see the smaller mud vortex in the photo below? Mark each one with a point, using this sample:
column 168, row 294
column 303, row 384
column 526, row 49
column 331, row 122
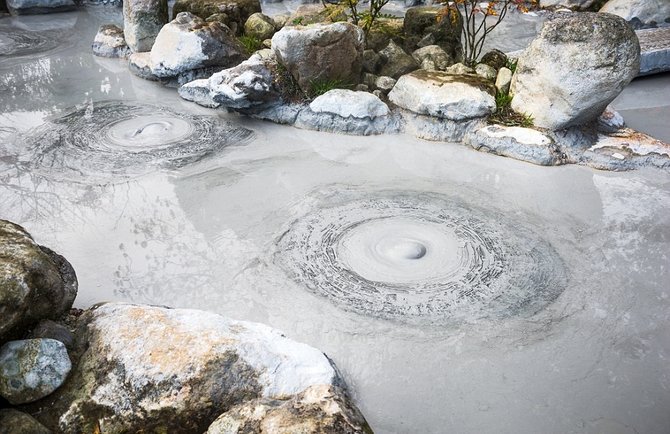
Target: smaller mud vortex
column 17, row 42
column 421, row 258
column 118, row 138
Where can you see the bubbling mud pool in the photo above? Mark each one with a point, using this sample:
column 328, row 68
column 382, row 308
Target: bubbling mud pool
column 236, row 230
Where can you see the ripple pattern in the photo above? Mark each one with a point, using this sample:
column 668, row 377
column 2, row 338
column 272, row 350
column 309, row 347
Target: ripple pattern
column 18, row 42
column 118, row 138
column 421, row 257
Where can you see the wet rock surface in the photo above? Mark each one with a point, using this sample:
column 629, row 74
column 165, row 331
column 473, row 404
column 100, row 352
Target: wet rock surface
column 576, row 66
column 188, row 43
column 29, row 7
column 524, row 144
column 320, row 53
column 32, row 369
column 655, row 50
column 110, row 42
column 130, row 378
column 35, row 282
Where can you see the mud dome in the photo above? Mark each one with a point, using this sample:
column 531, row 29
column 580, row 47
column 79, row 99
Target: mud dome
column 121, row 138
column 421, row 257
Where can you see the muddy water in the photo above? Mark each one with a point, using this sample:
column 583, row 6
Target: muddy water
column 307, row 231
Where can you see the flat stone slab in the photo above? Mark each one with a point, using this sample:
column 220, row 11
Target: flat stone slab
column 655, row 50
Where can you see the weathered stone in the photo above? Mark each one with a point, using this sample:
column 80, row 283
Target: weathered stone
column 438, row 129
column 16, row 422
column 576, row 66
column 347, row 111
column 142, row 20
column 35, row 282
column 32, row 369
column 321, row 52
column 247, row 86
column 319, row 409
column 47, row 329
column 485, row 71
column 188, row 43
column 383, row 31
column 523, row 144
column 308, row 14
column 152, row 369
column 396, row 61
column 259, row 26
column 385, row 83
column 236, row 12
column 432, row 58
column 369, row 80
column 140, row 65
column 648, row 12
column 442, row 24
column 372, row 62
column 495, row 59
column 110, row 42
column 362, row 88
column 655, row 50
column 503, row 80
column 459, row 69
column 610, row 120
column 280, row 20
column 28, row 7
column 198, row 91
column 444, row 96
column 570, row 4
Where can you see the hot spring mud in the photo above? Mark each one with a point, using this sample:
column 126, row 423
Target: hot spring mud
column 560, row 305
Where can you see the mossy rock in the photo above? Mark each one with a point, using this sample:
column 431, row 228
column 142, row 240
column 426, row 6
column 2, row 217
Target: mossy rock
column 384, row 30
column 237, row 11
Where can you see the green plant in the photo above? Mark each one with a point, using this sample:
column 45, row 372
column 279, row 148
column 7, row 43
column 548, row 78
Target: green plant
column 505, row 115
column 511, row 64
column 319, row 87
column 480, row 19
column 250, row 43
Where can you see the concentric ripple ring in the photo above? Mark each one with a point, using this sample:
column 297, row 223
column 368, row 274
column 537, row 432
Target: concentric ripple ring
column 421, row 257
column 113, row 138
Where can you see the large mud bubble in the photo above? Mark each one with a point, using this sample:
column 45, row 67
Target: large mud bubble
column 421, row 258
column 116, row 139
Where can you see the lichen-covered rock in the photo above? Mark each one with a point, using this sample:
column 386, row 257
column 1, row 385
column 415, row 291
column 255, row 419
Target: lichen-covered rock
column 320, row 53
column 570, row 4
column 485, row 71
column 32, row 369
column 233, row 13
column 396, row 62
column 319, row 409
column 142, row 20
column 110, row 42
column 152, row 369
column 308, row 14
column 188, row 43
column 647, row 12
column 248, row 86
column 444, row 96
column 259, row 26
column 35, row 282
column 496, row 59
column 576, row 66
column 347, row 111
column 434, row 25
column 523, row 144
column 384, row 30
column 16, row 422
column 432, row 58
column 28, row 7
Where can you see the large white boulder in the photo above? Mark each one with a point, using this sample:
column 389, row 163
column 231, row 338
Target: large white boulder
column 647, row 11
column 153, row 369
column 188, row 42
column 445, row 96
column 321, row 53
column 576, row 66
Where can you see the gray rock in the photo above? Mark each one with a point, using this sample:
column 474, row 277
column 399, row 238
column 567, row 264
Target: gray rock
column 485, row 71
column 444, row 96
column 152, row 369
column 432, row 58
column 610, row 121
column 32, row 369
column 372, row 61
column 570, row 4
column 385, row 84
column 503, row 80
column 16, row 422
column 347, row 111
column 29, row 7
column 396, row 61
column 438, row 129
column 523, row 144
column 198, row 91
column 142, row 20
column 459, row 69
column 382, row 32
column 232, row 13
column 259, row 26
column 284, row 114
column 47, row 329
column 648, row 12
column 434, row 25
column 576, row 66
column 369, row 80
column 35, row 282
column 496, row 59
column 362, row 88
column 319, row 409
column 110, row 42
column 248, row 86
column 655, row 50
column 188, row 43
column 321, row 52
column 139, row 64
